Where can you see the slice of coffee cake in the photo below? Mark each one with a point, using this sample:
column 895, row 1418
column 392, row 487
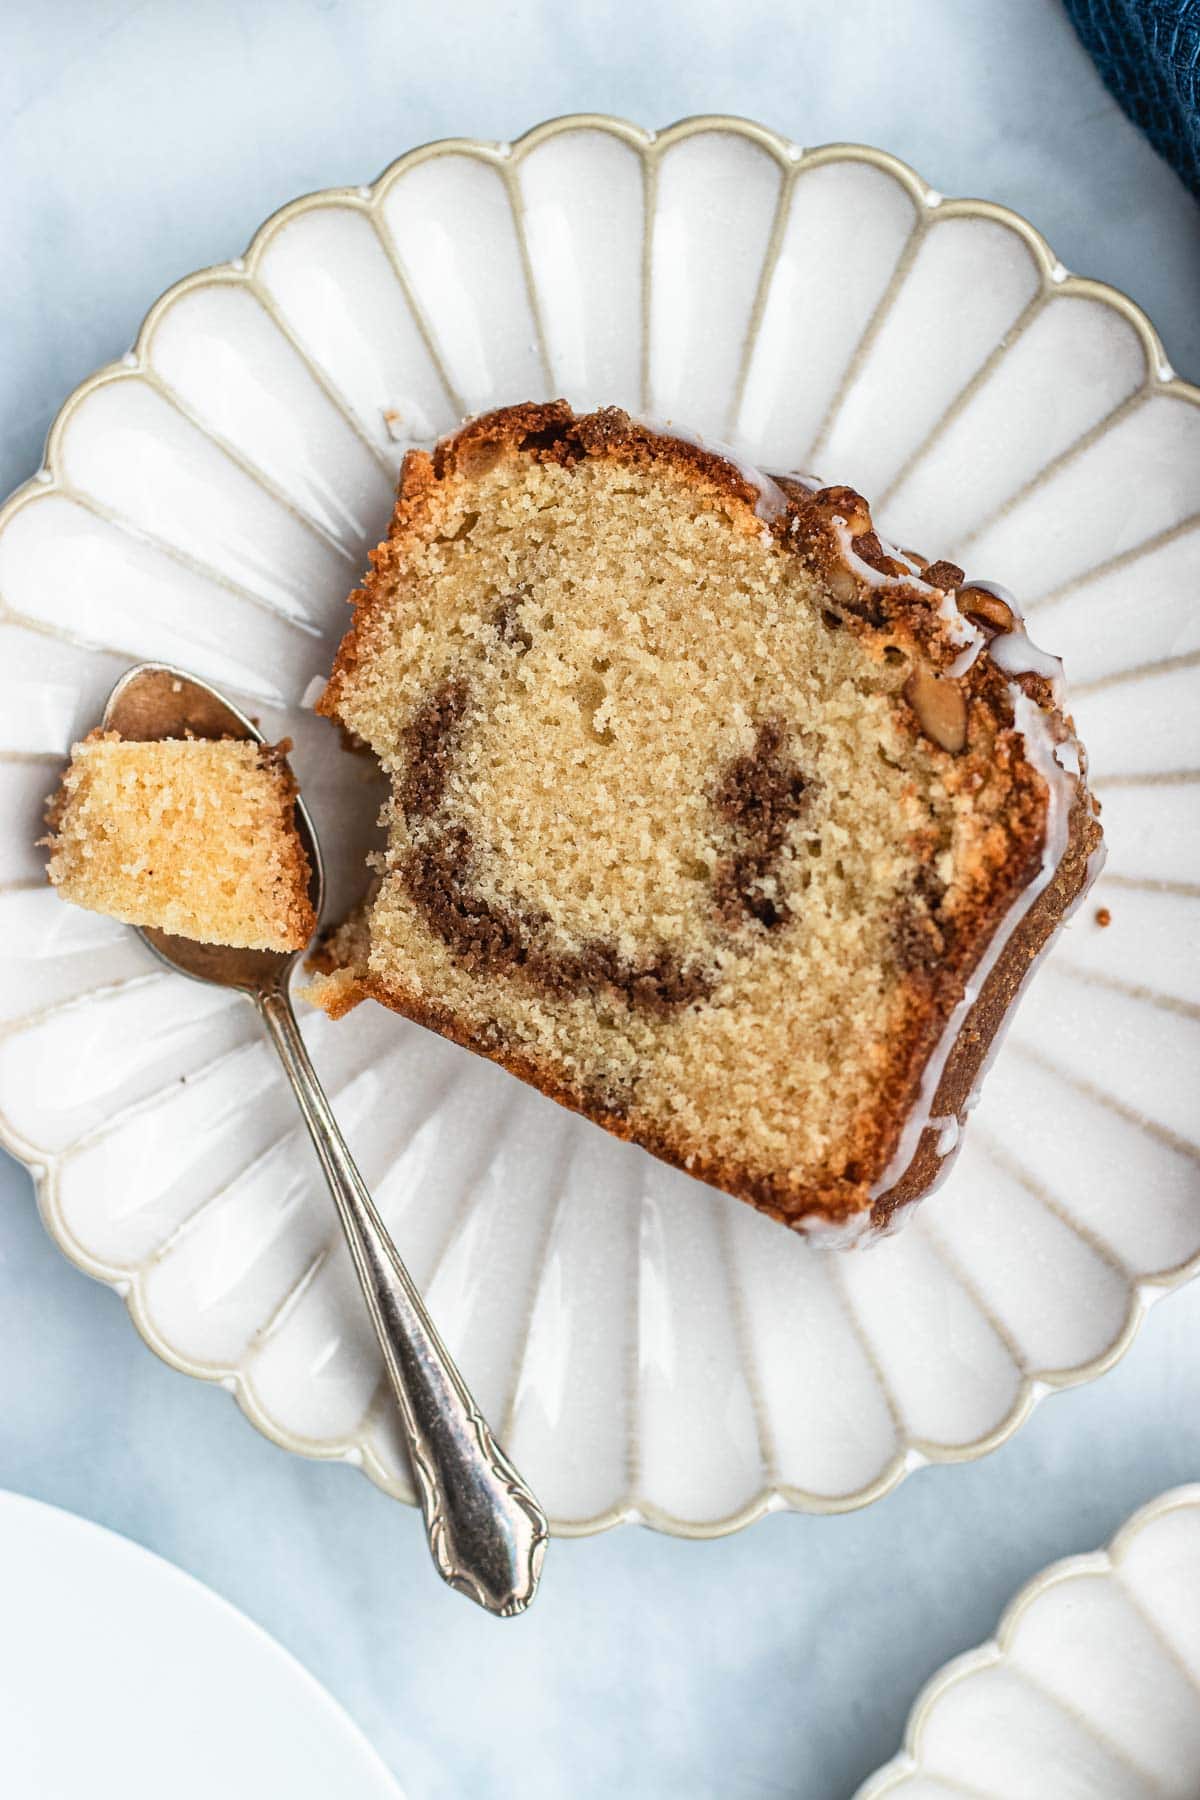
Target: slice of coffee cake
column 713, row 816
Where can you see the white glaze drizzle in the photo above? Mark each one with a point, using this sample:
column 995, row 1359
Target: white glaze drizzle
column 968, row 657
column 1043, row 753
column 1095, row 863
column 865, row 571
column 902, row 556
column 1059, row 765
column 772, row 502
column 1069, row 757
column 822, row 1234
column 960, row 630
column 949, row 1132
column 1014, row 652
column 1017, row 654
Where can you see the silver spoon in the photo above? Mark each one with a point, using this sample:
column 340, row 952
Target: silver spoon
column 487, row 1534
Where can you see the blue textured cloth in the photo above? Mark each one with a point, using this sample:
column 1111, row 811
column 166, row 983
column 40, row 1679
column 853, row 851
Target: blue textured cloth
column 1148, row 52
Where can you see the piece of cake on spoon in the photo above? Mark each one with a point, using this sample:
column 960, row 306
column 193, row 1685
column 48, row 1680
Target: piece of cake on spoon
column 192, row 836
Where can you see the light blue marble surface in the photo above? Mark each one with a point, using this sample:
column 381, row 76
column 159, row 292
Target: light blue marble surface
column 142, row 141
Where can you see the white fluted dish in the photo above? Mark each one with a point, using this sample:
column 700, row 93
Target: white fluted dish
column 1090, row 1689
column 646, row 1348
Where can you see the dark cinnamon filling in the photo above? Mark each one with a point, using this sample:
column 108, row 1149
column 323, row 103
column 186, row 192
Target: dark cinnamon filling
column 757, row 797
column 490, row 939
column 922, row 936
column 428, row 740
column 506, row 622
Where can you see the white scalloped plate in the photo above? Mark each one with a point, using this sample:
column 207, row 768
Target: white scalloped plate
column 1090, row 1689
column 647, row 1348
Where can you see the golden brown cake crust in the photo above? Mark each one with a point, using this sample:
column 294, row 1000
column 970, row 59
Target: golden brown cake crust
column 877, row 593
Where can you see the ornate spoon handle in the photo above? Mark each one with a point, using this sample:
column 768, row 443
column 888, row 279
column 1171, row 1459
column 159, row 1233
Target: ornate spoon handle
column 487, row 1533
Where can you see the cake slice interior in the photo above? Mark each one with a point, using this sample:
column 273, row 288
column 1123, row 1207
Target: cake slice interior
column 706, row 805
column 192, row 836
